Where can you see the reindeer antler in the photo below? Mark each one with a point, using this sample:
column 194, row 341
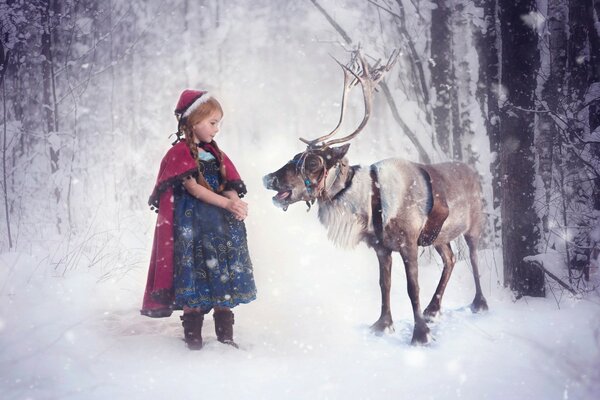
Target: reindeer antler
column 348, row 83
column 357, row 71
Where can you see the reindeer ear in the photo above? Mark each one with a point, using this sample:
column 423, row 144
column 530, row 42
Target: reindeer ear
column 337, row 153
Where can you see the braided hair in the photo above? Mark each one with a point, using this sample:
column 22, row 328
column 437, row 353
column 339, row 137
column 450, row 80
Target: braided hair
column 185, row 130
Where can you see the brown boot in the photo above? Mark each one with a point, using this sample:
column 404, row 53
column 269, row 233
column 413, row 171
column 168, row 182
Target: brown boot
column 192, row 329
column 224, row 327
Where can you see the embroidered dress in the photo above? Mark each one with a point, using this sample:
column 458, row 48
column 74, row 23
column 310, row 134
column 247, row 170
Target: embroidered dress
column 176, row 164
column 212, row 265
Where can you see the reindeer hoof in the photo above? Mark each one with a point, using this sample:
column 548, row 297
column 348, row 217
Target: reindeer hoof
column 382, row 325
column 420, row 335
column 431, row 313
column 479, row 305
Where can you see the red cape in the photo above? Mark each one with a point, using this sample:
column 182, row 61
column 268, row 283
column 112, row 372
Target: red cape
column 175, row 165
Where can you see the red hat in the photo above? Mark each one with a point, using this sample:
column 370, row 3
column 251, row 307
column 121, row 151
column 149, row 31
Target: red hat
column 190, row 100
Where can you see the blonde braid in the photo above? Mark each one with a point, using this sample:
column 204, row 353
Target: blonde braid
column 222, row 169
column 189, row 140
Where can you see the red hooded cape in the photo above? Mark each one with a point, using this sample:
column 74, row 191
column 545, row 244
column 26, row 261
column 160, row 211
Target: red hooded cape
column 175, row 165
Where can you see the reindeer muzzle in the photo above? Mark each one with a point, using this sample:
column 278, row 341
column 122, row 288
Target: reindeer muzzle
column 271, row 182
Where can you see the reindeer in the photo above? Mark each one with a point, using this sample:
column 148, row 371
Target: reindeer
column 391, row 205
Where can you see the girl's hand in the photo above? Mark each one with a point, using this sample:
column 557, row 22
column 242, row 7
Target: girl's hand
column 238, row 208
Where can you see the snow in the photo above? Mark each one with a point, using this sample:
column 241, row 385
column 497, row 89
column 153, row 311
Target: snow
column 79, row 333
column 69, row 317
column 552, row 260
column 593, row 92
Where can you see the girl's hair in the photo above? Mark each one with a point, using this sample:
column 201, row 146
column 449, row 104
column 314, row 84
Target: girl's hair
column 198, row 115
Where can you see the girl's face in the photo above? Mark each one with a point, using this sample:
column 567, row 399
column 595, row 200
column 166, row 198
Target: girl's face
column 205, row 130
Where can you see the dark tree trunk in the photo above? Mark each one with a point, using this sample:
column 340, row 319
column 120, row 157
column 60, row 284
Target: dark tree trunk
column 594, row 110
column 486, row 40
column 441, row 42
column 592, row 15
column 47, row 105
column 520, row 222
column 594, row 37
column 49, row 89
column 576, row 49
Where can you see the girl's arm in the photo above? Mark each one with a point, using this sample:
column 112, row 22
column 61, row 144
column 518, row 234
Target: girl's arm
column 231, row 194
column 232, row 204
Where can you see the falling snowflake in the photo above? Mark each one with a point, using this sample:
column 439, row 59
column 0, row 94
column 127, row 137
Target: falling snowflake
column 534, row 20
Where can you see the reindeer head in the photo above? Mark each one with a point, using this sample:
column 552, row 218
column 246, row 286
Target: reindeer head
column 304, row 177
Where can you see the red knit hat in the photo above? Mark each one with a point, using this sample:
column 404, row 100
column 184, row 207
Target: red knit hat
column 190, row 100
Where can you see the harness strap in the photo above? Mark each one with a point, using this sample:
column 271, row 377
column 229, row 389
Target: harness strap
column 376, row 210
column 439, row 207
column 321, row 183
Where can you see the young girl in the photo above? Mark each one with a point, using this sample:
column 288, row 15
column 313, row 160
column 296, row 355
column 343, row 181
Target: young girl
column 200, row 257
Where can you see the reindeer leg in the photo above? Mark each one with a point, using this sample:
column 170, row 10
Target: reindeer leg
column 479, row 303
column 385, row 282
column 409, row 256
column 433, row 309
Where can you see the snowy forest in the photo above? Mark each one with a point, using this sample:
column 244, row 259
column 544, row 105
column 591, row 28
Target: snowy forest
column 88, row 90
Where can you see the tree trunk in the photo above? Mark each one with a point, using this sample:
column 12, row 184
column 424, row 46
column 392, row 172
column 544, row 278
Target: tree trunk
column 462, row 46
column 486, row 40
column 520, row 222
column 454, row 110
column 580, row 73
column 4, row 58
column 49, row 102
column 47, row 105
column 594, row 107
column 576, row 49
column 594, row 37
column 440, row 66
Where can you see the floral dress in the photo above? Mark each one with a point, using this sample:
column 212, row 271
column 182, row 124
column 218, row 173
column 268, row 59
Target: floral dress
column 212, row 265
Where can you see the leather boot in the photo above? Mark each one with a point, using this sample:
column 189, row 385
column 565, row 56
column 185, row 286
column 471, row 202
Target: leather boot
column 192, row 329
column 224, row 327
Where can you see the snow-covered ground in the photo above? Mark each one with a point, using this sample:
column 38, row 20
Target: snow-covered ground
column 70, row 327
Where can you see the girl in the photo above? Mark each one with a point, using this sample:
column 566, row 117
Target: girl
column 200, row 257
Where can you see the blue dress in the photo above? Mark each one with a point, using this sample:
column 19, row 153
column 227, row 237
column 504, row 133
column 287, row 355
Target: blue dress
column 212, row 264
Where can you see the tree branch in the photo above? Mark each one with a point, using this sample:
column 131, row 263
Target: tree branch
column 388, row 95
column 407, row 131
column 333, row 23
column 556, row 278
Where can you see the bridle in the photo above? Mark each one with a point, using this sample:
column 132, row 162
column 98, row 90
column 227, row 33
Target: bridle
column 315, row 190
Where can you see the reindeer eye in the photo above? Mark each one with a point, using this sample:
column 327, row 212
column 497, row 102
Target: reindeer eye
column 312, row 163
